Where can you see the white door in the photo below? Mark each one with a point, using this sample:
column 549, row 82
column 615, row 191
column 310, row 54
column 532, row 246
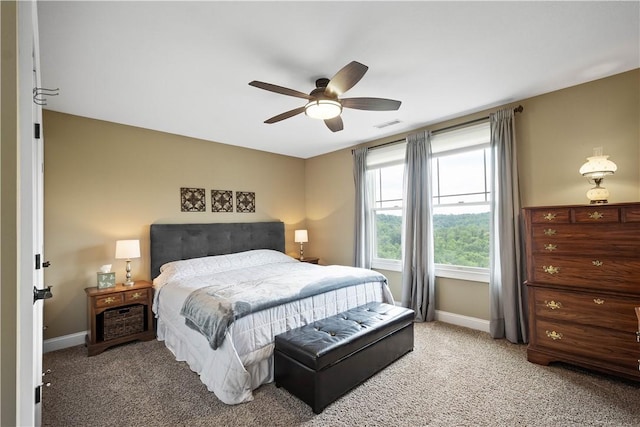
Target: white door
column 30, row 220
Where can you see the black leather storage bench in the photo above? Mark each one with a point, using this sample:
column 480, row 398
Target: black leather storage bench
column 323, row 360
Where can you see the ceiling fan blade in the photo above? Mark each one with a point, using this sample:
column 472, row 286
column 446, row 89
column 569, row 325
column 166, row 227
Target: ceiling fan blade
column 376, row 104
column 285, row 115
column 334, row 124
column 346, row 78
column 279, row 89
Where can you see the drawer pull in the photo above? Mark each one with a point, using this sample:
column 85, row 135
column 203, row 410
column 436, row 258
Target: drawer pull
column 136, row 295
column 598, row 301
column 109, row 300
column 595, row 215
column 553, row 305
column 549, row 216
column 549, row 231
column 554, row 335
column 638, row 338
column 549, row 247
column 551, row 269
column 597, row 263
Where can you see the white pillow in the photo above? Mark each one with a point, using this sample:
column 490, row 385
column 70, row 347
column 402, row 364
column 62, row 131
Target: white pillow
column 214, row 264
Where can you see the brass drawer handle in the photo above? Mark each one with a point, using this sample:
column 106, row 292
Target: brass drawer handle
column 549, row 216
column 551, row 269
column 549, row 231
column 554, row 335
column 136, row 295
column 549, row 247
column 109, row 300
column 553, row 305
column 598, row 301
column 597, row 263
column 596, row 215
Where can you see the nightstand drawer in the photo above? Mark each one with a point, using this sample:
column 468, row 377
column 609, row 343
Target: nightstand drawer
column 139, row 296
column 108, row 300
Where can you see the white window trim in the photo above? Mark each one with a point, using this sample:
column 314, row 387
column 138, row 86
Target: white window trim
column 473, row 274
column 386, row 264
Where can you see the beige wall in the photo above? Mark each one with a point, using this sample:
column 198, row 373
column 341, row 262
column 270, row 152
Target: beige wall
column 555, row 134
column 105, row 182
column 8, row 220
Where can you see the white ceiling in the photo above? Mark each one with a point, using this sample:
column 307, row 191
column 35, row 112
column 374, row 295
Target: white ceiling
column 184, row 67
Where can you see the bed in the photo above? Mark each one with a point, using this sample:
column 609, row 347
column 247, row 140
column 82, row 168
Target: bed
column 225, row 268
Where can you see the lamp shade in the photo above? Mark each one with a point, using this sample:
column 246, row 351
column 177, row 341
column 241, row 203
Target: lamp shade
column 127, row 249
column 323, row 109
column 598, row 165
column 301, row 236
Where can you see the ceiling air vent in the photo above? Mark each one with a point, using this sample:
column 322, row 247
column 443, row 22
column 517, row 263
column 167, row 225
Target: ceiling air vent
column 387, row 124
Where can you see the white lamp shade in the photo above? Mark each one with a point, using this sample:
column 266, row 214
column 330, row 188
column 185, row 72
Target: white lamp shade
column 127, row 249
column 323, row 109
column 597, row 167
column 301, row 236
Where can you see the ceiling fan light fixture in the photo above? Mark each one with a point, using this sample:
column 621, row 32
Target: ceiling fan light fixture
column 323, row 109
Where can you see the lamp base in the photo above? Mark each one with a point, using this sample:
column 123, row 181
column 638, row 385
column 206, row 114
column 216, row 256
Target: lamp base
column 598, row 202
column 129, row 283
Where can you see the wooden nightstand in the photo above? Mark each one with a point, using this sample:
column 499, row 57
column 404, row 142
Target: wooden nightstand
column 119, row 315
column 310, row 260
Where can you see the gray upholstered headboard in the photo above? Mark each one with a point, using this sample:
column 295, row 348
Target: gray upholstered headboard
column 172, row 242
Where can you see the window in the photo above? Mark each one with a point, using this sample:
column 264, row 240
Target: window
column 387, row 214
column 386, row 173
column 461, row 203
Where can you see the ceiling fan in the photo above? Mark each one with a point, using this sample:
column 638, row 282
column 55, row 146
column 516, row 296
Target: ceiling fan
column 324, row 102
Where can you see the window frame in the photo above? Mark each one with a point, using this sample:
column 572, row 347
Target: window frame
column 461, row 272
column 475, row 274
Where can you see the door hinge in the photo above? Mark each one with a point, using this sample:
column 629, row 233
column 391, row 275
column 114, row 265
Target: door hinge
column 37, row 261
column 36, row 130
column 38, row 394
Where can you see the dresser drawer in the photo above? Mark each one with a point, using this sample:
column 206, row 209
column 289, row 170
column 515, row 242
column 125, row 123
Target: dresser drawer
column 596, row 215
column 551, row 216
column 615, row 349
column 108, row 300
column 623, row 240
column 138, row 296
column 588, row 272
column 593, row 309
column 631, row 214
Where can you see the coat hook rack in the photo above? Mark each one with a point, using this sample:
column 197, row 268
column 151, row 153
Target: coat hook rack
column 40, row 94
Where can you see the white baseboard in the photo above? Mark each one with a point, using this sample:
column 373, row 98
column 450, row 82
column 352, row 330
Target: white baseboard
column 460, row 320
column 65, row 341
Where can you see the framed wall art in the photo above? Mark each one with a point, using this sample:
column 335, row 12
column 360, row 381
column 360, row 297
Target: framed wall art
column 221, row 201
column 192, row 199
column 245, row 201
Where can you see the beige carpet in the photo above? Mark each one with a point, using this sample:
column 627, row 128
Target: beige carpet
column 454, row 377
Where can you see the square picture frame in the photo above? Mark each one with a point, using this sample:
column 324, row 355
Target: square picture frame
column 192, row 199
column 221, row 201
column 245, row 201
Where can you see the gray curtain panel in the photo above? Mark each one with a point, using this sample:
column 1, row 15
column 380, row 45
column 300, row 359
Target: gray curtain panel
column 506, row 277
column 364, row 198
column 418, row 278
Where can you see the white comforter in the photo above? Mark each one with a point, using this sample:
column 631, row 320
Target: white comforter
column 244, row 360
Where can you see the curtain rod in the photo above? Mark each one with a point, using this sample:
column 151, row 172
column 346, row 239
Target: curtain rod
column 518, row 109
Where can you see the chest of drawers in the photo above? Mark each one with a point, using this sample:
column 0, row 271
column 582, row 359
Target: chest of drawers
column 583, row 281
